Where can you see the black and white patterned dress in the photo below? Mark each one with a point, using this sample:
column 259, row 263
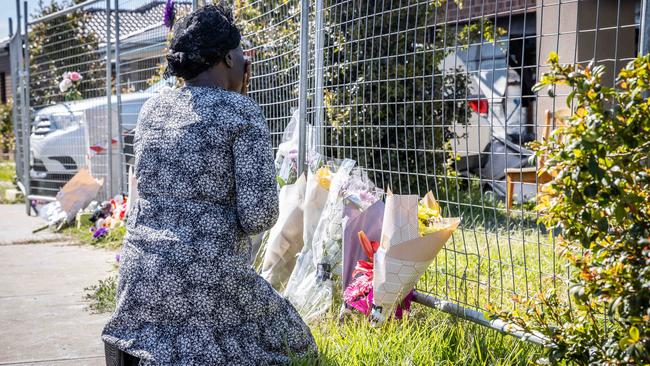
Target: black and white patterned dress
column 186, row 295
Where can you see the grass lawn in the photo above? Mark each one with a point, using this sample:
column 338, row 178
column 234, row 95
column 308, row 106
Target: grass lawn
column 427, row 337
column 7, row 173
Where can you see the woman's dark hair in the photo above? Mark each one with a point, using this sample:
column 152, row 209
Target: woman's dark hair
column 200, row 40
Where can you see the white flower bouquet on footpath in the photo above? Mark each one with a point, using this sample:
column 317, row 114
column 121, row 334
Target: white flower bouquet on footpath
column 413, row 233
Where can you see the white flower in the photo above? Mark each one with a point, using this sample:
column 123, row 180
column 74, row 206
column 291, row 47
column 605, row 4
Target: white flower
column 64, row 85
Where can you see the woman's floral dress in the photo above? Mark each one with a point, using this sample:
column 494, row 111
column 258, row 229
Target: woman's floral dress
column 186, row 295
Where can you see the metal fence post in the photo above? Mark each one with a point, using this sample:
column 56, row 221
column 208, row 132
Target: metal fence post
column 118, row 99
column 14, row 81
column 644, row 28
column 109, row 92
column 318, row 98
column 302, row 82
column 25, row 111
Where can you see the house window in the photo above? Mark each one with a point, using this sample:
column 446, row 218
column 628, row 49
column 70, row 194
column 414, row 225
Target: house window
column 3, row 88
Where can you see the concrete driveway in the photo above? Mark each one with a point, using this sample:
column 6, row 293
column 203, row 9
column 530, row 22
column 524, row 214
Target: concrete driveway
column 43, row 317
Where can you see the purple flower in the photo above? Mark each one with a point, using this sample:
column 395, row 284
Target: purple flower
column 117, row 258
column 100, row 232
column 169, row 14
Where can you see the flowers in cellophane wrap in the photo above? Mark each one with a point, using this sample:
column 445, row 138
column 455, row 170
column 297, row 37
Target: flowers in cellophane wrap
column 286, row 158
column 413, row 233
column 69, row 86
column 284, row 240
column 286, row 173
column 363, row 212
column 311, row 285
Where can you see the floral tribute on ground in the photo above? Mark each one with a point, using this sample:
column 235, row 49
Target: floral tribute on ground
column 338, row 241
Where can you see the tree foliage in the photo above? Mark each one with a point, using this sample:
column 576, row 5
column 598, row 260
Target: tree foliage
column 599, row 202
column 7, row 138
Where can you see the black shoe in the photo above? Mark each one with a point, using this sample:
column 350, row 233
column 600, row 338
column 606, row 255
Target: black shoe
column 117, row 357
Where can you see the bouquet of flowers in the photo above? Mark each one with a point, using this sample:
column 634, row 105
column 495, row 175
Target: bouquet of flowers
column 286, row 167
column 413, row 233
column 319, row 180
column 311, row 285
column 358, row 294
column 363, row 211
column 69, row 86
column 284, row 241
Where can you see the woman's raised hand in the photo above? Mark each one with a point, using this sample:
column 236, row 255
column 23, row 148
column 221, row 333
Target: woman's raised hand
column 247, row 76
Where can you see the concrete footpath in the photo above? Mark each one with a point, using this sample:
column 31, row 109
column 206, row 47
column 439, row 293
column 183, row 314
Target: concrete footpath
column 43, row 317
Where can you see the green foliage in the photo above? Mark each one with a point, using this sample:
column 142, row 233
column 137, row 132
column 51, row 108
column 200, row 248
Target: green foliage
column 7, row 171
column 59, row 45
column 599, row 202
column 7, row 138
column 102, row 295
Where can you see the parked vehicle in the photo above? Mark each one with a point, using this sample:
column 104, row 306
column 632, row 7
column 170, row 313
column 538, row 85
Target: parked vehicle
column 58, row 141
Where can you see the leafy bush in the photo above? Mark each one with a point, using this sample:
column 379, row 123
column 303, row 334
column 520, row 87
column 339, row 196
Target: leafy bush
column 7, row 138
column 599, row 200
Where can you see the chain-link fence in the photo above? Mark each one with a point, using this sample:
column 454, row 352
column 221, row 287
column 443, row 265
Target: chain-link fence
column 424, row 95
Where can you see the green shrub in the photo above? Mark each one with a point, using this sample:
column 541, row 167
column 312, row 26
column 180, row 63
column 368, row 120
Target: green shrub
column 7, row 138
column 102, row 295
column 599, row 202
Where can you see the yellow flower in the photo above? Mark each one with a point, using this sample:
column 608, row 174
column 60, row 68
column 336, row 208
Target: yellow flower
column 428, row 219
column 324, row 177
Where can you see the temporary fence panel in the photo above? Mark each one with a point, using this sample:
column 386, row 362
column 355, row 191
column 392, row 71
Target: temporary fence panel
column 69, row 115
column 21, row 157
column 437, row 96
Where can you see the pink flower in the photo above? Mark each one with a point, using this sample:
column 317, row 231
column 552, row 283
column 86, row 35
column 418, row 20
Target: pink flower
column 75, row 76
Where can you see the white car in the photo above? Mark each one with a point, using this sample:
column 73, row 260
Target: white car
column 58, row 139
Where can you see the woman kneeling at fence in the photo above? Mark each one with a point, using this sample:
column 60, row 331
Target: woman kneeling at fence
column 186, row 294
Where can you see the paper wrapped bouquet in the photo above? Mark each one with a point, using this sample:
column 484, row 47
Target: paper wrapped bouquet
column 413, row 233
